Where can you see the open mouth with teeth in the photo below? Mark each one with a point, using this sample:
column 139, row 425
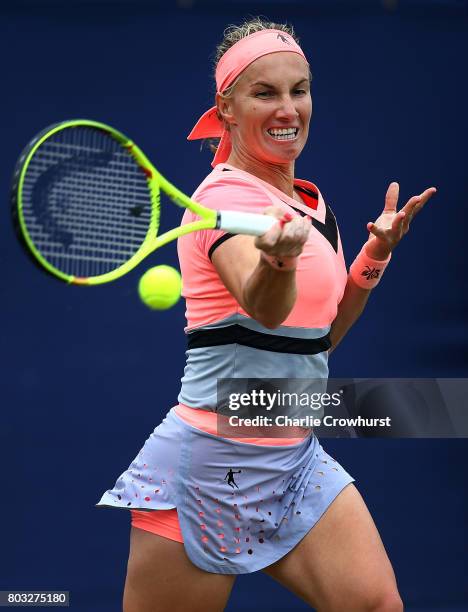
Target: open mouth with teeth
column 283, row 133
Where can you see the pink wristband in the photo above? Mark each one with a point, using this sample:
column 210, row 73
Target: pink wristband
column 367, row 272
column 283, row 264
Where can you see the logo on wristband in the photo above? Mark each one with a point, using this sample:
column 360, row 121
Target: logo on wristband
column 370, row 273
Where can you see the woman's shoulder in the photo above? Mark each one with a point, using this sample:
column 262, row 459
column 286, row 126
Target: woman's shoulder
column 226, row 188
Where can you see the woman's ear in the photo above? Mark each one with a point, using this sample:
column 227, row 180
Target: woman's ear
column 224, row 106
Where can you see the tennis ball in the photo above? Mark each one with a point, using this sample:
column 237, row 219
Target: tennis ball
column 159, row 287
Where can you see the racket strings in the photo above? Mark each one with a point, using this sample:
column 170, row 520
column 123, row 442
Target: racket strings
column 86, row 203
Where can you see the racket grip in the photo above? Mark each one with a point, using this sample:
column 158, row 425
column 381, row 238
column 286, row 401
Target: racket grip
column 244, row 223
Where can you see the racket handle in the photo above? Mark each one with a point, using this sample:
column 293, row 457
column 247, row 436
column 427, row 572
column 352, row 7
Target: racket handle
column 244, row 223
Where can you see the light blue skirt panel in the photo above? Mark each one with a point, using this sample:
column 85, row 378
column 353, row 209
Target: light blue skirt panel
column 241, row 507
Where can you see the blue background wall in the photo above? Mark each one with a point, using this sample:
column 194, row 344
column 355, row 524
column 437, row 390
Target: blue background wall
column 88, row 373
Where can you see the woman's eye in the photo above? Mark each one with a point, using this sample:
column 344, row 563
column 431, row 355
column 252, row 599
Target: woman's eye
column 300, row 92
column 263, row 94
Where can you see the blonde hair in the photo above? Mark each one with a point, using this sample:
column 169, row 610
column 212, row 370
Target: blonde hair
column 235, row 33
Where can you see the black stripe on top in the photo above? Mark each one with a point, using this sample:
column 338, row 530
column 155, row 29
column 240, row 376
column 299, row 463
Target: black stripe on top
column 329, row 229
column 218, row 242
column 236, row 334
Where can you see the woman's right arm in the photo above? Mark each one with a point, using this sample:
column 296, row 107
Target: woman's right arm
column 260, row 273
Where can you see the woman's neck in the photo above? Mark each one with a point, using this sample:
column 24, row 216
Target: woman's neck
column 280, row 176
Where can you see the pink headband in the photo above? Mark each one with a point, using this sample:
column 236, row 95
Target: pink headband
column 232, row 63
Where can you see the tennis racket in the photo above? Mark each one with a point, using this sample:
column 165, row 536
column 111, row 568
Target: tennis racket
column 86, row 204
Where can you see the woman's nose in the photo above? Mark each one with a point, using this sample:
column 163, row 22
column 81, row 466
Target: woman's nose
column 287, row 108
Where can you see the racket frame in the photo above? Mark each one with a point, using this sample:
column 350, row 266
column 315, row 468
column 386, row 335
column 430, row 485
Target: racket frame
column 156, row 183
column 233, row 222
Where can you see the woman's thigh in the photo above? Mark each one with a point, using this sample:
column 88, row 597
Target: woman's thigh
column 341, row 564
column 161, row 578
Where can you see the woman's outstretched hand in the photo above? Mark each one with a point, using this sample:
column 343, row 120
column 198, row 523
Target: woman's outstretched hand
column 390, row 227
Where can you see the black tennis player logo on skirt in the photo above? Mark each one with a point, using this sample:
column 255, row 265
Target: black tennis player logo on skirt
column 230, row 478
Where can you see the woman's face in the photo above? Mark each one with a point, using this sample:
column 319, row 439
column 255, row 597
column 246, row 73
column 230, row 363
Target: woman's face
column 270, row 109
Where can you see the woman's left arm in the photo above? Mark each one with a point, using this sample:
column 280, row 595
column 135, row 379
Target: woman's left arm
column 386, row 232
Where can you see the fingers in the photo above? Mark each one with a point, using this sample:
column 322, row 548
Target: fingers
column 275, row 211
column 269, row 238
column 391, row 225
column 273, row 234
column 391, row 197
column 415, row 204
column 425, row 196
column 377, row 231
column 293, row 236
column 409, row 210
column 398, row 223
column 297, row 231
column 388, row 234
column 287, row 237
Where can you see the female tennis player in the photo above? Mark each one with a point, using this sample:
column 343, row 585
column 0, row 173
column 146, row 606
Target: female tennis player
column 205, row 506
